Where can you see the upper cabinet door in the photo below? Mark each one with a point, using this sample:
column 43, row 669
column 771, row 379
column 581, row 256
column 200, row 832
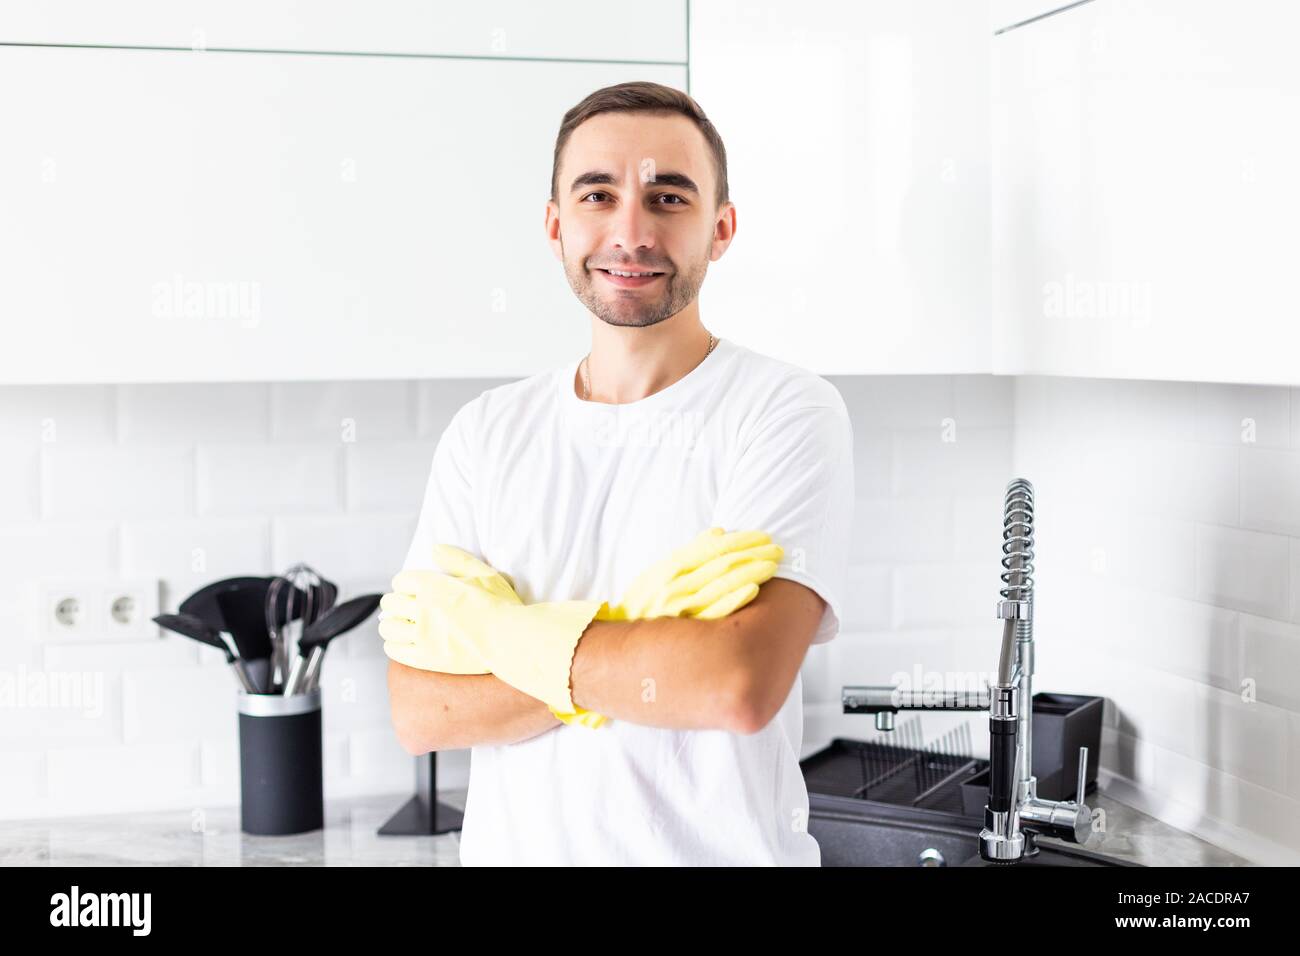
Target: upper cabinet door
column 564, row 29
column 857, row 143
column 1145, row 194
column 1007, row 14
column 181, row 216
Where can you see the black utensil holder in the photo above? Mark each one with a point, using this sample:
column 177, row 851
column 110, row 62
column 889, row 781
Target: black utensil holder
column 1062, row 724
column 281, row 779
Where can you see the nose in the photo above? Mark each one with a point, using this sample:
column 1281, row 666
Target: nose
column 633, row 227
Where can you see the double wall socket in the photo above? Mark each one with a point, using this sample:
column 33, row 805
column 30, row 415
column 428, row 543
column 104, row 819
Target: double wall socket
column 77, row 610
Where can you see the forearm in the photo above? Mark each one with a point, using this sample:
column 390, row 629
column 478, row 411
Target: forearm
column 674, row 672
column 436, row 711
column 733, row 673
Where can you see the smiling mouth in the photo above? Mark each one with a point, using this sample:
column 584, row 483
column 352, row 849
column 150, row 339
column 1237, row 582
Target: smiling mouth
column 630, row 281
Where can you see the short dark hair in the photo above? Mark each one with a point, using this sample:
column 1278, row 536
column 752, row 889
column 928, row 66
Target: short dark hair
column 642, row 97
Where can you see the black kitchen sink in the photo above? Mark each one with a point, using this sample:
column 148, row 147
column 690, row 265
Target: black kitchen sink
column 870, row 806
column 861, row 833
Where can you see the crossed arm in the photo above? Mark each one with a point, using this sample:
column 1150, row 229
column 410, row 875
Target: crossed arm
column 732, row 673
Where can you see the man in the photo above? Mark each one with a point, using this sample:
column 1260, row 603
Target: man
column 572, row 481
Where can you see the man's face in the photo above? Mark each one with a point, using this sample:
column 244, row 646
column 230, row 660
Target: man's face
column 636, row 193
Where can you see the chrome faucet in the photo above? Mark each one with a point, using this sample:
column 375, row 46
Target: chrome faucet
column 1014, row 815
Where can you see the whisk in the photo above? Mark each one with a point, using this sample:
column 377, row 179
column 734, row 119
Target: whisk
column 299, row 595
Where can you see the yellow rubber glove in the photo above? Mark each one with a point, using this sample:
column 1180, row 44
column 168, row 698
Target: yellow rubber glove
column 529, row 646
column 716, row 573
column 446, row 654
column 441, row 650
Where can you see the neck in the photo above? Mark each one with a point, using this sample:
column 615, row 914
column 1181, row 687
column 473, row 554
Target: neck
column 628, row 363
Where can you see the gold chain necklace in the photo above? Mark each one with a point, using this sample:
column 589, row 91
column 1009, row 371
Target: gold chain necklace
column 586, row 375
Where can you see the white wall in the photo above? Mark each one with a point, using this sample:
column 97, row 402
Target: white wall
column 1168, row 571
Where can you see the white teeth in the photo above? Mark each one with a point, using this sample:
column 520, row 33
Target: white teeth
column 615, row 272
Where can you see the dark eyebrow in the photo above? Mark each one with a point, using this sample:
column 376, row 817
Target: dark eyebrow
column 600, row 178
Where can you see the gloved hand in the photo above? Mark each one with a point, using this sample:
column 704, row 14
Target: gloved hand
column 716, row 573
column 529, row 646
column 444, row 652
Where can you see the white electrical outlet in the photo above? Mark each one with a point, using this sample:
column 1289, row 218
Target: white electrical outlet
column 88, row 610
column 126, row 608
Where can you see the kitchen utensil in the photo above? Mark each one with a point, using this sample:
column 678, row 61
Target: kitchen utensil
column 305, row 675
column 299, row 595
column 196, row 629
column 203, row 602
column 241, row 608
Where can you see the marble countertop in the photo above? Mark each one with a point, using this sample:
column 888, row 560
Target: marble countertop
column 351, row 838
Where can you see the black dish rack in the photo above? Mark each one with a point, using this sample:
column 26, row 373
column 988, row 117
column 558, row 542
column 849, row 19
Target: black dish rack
column 919, row 777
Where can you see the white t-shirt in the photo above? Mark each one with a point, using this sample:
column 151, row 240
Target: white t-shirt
column 572, row 500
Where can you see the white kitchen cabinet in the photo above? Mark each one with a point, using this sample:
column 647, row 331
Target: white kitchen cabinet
column 1144, row 192
column 180, row 216
column 857, row 143
column 1008, row 13
column 566, row 29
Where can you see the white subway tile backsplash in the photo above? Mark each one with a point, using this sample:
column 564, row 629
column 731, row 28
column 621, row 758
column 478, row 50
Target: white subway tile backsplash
column 817, row 676
column 114, row 481
column 24, row 790
column 354, row 693
column 56, row 549
column 897, row 401
column 270, row 479
column 181, row 413
column 1130, row 757
column 937, row 461
column 873, row 461
column 331, row 412
column 1184, row 638
column 167, row 652
column 174, row 704
column 219, row 765
column 1225, row 797
column 1295, row 579
column 61, row 709
column 1153, row 411
column 121, row 778
column 902, row 530
column 437, row 400
column 1271, row 660
column 20, row 482
column 72, row 414
column 1270, row 490
column 982, row 401
column 937, row 595
column 1197, row 482
column 977, row 526
column 876, row 657
column 387, row 476
column 1245, row 570
column 1250, row 415
column 344, row 546
column 375, row 757
column 869, row 599
column 190, row 553
column 1293, row 754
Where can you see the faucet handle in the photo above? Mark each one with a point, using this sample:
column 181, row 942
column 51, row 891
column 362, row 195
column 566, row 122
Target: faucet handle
column 1083, row 775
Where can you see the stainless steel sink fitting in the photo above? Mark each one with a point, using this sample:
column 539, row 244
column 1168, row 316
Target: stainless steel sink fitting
column 1014, row 815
